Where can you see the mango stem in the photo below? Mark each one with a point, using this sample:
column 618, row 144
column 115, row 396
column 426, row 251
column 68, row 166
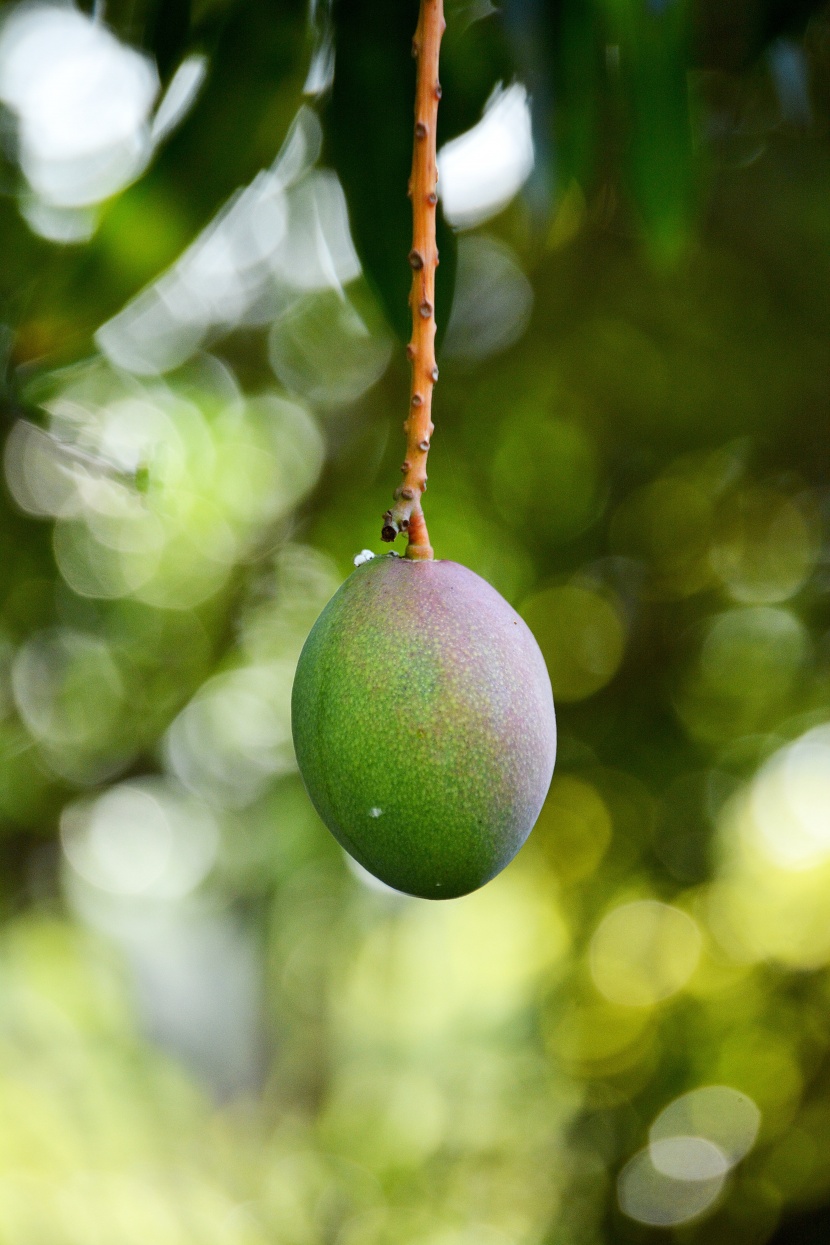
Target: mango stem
column 407, row 514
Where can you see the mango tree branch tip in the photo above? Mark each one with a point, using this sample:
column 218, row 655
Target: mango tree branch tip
column 407, row 515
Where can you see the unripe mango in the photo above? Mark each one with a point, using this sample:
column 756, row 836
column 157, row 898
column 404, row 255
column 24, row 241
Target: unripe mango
column 423, row 725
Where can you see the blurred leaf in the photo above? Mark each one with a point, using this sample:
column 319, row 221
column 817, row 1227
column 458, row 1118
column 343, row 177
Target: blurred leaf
column 475, row 56
column 369, row 129
column 654, row 42
column 578, row 86
column 731, row 36
column 558, row 47
column 169, row 31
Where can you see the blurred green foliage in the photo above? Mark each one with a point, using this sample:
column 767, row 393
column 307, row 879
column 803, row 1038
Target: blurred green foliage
column 212, row 1028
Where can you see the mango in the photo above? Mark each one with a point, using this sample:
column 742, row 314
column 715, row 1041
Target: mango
column 424, row 725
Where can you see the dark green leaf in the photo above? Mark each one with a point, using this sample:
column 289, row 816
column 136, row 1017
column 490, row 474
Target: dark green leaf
column 559, row 50
column 654, row 41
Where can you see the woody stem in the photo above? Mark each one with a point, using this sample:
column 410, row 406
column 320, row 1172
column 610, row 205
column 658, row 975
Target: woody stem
column 407, row 514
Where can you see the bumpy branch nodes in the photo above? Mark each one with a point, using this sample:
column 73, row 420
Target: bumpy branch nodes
column 407, row 515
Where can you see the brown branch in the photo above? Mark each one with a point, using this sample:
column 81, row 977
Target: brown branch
column 407, row 515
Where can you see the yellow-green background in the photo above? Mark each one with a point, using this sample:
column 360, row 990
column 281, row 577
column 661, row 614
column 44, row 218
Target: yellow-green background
column 266, row 1048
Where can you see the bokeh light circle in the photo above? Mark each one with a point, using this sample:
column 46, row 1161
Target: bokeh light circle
column 582, row 636
column 717, row 1114
column 649, row 1196
column 142, row 838
column 644, row 952
column 790, row 803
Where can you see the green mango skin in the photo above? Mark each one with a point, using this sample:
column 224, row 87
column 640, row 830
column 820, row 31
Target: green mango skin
column 424, row 726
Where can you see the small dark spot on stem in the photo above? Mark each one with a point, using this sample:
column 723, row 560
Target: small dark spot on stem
column 416, row 260
column 407, row 493
column 434, row 374
column 432, row 198
column 421, row 130
column 425, row 309
column 438, row 91
column 405, row 465
column 417, row 400
column 388, row 532
column 410, row 351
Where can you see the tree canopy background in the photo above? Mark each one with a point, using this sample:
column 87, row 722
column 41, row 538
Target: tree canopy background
column 213, row 1028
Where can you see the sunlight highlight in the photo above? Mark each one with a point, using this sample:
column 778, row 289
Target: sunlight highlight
column 481, row 171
